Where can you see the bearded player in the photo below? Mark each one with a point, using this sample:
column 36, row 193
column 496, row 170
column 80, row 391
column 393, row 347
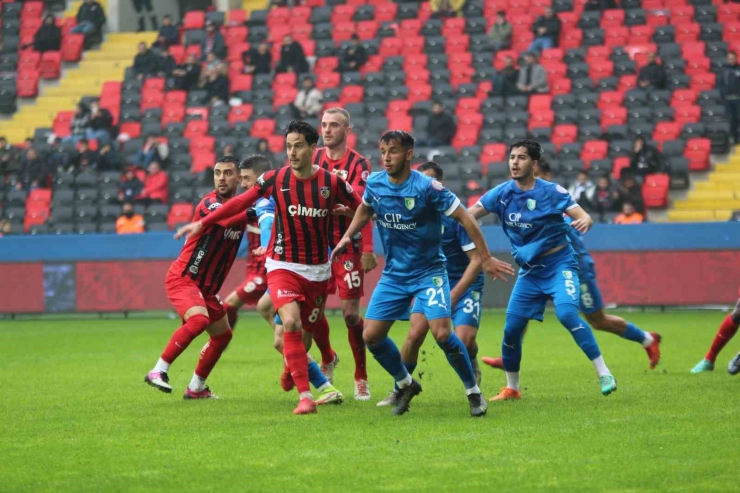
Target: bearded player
column 348, row 272
column 298, row 267
column 193, row 281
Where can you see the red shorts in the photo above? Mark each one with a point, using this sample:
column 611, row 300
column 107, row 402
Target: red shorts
column 286, row 286
column 184, row 294
column 252, row 289
column 348, row 277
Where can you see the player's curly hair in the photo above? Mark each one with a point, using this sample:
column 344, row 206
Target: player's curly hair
column 257, row 162
column 534, row 150
column 436, row 168
column 404, row 138
column 303, row 128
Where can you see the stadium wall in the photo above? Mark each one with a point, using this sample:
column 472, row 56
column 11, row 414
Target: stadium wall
column 643, row 265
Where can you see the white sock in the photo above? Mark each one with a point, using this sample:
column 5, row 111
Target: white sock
column 649, row 339
column 600, row 366
column 325, row 386
column 306, row 395
column 161, row 366
column 405, row 382
column 197, row 384
column 512, row 380
column 473, row 390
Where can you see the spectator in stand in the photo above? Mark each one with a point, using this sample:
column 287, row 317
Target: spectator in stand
column 145, row 62
column 292, row 57
column 447, row 8
column 583, row 191
column 532, row 76
column 263, row 149
column 216, row 84
column 10, row 164
column 156, row 185
column 500, row 33
column 90, row 20
column 652, row 75
column 80, row 122
column 142, row 8
column 5, row 227
column 110, row 159
column 599, row 5
column 100, row 126
column 629, row 215
column 48, row 37
column 165, row 63
column 258, row 60
column 630, row 191
column 153, row 150
column 728, row 84
column 604, row 196
column 646, row 160
column 84, row 159
column 169, row 31
column 354, row 56
column 308, row 101
column 546, row 31
column 505, row 81
column 129, row 222
column 214, row 42
column 34, row 171
column 211, row 61
column 441, row 127
column 187, row 75
column 130, row 187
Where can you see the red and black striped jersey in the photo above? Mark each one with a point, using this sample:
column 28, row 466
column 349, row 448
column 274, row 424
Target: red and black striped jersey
column 354, row 169
column 255, row 263
column 208, row 255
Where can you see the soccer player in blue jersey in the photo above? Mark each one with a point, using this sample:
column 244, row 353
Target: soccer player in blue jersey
column 591, row 302
column 466, row 292
column 531, row 212
column 409, row 208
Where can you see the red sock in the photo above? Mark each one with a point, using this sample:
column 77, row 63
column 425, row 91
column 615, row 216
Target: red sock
column 232, row 314
column 358, row 349
column 295, row 355
column 726, row 331
column 320, row 332
column 183, row 336
column 211, row 353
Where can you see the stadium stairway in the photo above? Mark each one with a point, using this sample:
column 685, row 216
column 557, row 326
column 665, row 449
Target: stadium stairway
column 86, row 79
column 714, row 199
column 250, row 5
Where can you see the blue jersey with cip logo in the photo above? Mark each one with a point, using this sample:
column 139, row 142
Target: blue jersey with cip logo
column 455, row 245
column 409, row 220
column 532, row 219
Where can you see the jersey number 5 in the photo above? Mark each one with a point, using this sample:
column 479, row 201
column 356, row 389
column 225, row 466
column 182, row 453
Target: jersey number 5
column 353, row 279
column 570, row 288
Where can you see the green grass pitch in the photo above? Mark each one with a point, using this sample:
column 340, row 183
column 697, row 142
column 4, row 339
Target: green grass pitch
column 77, row 417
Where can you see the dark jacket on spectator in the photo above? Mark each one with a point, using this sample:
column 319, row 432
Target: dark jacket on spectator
column 10, row 160
column 165, row 65
column 34, row 170
column 728, row 81
column 109, row 160
column 218, row 88
column 648, row 160
column 47, row 38
column 190, row 79
column 603, row 199
column 442, row 127
column 217, row 45
column 146, row 63
column 631, row 194
column 552, row 26
column 353, row 58
column 131, row 189
column 87, row 160
column 171, row 33
column 654, row 73
column 292, row 55
column 92, row 13
column 262, row 62
column 104, row 120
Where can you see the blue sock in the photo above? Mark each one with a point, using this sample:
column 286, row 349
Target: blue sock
column 634, row 334
column 410, row 367
column 315, row 376
column 457, row 356
column 387, row 354
column 579, row 329
column 511, row 347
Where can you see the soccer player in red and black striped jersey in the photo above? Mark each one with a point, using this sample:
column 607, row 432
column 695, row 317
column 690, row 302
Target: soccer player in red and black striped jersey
column 298, row 266
column 193, row 281
column 348, row 273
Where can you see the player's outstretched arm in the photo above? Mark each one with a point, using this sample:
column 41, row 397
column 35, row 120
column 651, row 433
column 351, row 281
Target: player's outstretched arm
column 478, row 211
column 362, row 215
column 492, row 266
column 236, row 206
column 468, row 277
column 582, row 222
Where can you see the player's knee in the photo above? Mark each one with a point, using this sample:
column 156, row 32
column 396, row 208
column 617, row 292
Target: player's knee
column 468, row 339
column 568, row 315
column 515, row 326
column 292, row 324
column 351, row 318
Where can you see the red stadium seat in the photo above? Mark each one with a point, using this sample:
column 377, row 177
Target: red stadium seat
column 287, row 79
column 467, row 106
column 35, row 218
column 241, row 82
column 343, row 31
column 571, row 39
column 390, row 47
column 627, row 82
column 594, row 149
column 687, row 114
column 178, row 53
column 352, row 94
column 326, row 64
column 682, row 15
column 235, row 35
column 151, row 100
column 202, row 161
column 409, row 28
column 420, row 92
column 195, row 128
column 457, row 44
column 284, row 96
column 342, row 13
column 132, row 129
column 493, row 153
column 236, row 17
column 612, row 18
column 62, row 123
column 687, row 33
column 610, row 99
column 241, row 113
column 172, row 113
column 666, row 131
column 327, row 80
column 263, row 127
column 541, row 119
column 683, row 97
column 195, row 19
column 201, row 112
column 29, row 26
column 540, row 102
column 401, row 122
column 691, row 49
column 412, row 44
column 417, row 76
column 613, row 116
column 697, row 152
column 703, row 81
column 598, row 53
column 398, row 106
column 367, row 29
column 72, row 47
column 28, row 61
column 27, row 85
column 32, row 10
column 561, row 86
column 453, row 27
column 465, row 136
column 203, row 143
column 616, row 36
column 620, row 163
column 176, row 97
column 564, row 134
column 51, row 65
column 41, row 196
column 276, row 143
column 386, row 12
column 551, row 55
column 600, row 69
column 179, row 213
column 655, row 190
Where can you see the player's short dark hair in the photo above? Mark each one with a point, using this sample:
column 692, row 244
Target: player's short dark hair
column 436, row 168
column 534, row 150
column 544, row 166
column 257, row 162
column 404, row 138
column 303, row 128
column 228, row 159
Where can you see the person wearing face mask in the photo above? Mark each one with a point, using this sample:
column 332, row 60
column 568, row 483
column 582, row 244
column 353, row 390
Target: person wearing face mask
column 129, row 222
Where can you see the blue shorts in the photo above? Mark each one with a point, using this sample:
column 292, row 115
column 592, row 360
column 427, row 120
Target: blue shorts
column 391, row 299
column 557, row 281
column 591, row 300
column 466, row 311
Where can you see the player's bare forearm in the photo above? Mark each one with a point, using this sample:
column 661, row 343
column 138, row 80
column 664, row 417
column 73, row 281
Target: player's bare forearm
column 468, row 222
column 478, row 211
column 581, row 219
column 363, row 214
column 234, row 207
column 469, row 276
